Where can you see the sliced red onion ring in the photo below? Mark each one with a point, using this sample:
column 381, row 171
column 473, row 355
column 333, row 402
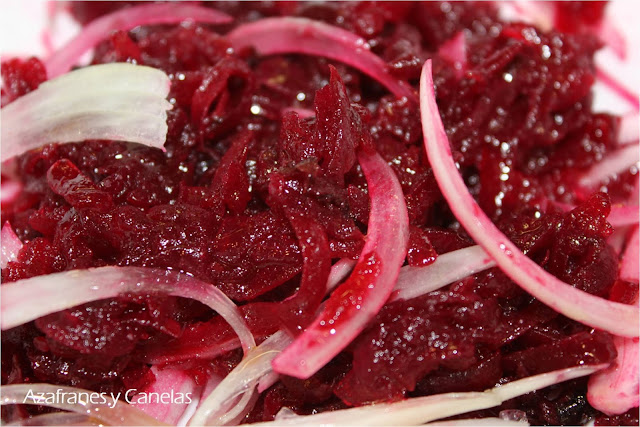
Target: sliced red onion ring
column 340, row 271
column 28, row 299
column 120, row 414
column 614, row 163
column 301, row 35
column 303, row 113
column 629, row 267
column 168, row 380
column 454, row 50
column 617, row 318
column 615, row 390
column 9, row 191
column 447, row 268
column 123, row 102
column 11, row 245
column 240, row 381
column 355, row 302
column 127, row 19
column 419, row 410
column 629, row 130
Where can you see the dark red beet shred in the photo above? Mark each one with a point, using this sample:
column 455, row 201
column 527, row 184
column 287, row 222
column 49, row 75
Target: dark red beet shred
column 258, row 201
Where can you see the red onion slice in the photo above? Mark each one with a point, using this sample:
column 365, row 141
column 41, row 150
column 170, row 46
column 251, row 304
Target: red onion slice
column 126, row 19
column 419, row 410
column 617, row 318
column 168, row 380
column 11, row 245
column 614, row 163
column 123, row 102
column 28, row 299
column 454, row 50
column 629, row 130
column 616, row 389
column 447, row 268
column 629, row 266
column 340, row 271
column 358, row 300
column 9, row 191
column 301, row 35
column 303, row 113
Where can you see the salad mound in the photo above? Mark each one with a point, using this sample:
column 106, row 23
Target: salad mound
column 403, row 207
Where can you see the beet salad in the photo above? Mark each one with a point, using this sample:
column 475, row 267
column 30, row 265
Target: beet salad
column 389, row 213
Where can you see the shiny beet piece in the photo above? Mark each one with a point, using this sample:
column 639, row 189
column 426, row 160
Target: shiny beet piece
column 109, row 328
column 21, row 76
column 585, row 348
column 66, row 180
column 410, row 339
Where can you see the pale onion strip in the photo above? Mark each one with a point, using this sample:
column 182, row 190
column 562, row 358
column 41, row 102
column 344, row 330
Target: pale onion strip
column 618, row 88
column 629, row 129
column 447, row 268
column 387, row 238
column 621, row 216
column 11, row 245
column 57, row 419
column 617, row 318
column 454, row 50
column 612, row 37
column 76, row 107
column 127, row 19
column 420, row 410
column 267, row 381
column 538, row 13
column 473, row 422
column 64, row 398
column 242, row 379
column 9, row 191
column 615, row 390
column 303, row 113
column 236, row 414
column 167, row 380
column 283, row 35
column 28, row 299
column 629, row 266
column 614, row 163
column 340, row 271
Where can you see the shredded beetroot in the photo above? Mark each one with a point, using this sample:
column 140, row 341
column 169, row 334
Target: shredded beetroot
column 292, row 176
